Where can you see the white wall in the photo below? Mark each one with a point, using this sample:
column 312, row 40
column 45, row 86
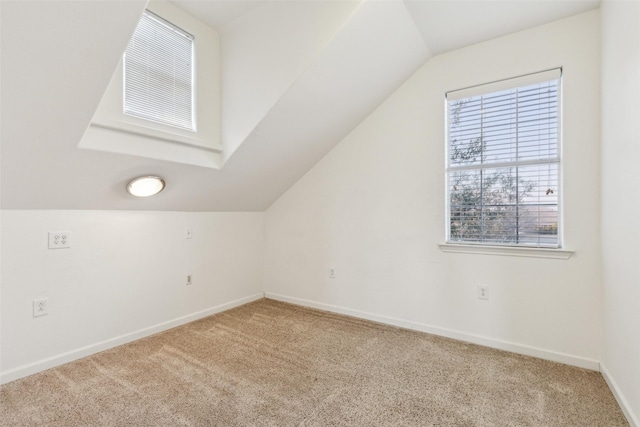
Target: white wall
column 260, row 59
column 373, row 209
column 123, row 278
column 620, row 206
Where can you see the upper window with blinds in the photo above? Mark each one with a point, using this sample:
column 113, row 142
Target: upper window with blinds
column 503, row 162
column 159, row 74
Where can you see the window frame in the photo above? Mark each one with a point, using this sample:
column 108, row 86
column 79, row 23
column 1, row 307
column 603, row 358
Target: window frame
column 506, row 248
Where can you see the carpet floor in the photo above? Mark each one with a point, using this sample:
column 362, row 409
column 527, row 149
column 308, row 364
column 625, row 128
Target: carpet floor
column 268, row 363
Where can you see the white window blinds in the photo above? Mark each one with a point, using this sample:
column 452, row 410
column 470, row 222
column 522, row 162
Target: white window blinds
column 158, row 74
column 503, row 162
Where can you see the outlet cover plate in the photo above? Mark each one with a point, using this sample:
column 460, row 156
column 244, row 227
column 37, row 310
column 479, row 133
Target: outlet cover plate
column 59, row 239
column 40, row 307
column 483, row 292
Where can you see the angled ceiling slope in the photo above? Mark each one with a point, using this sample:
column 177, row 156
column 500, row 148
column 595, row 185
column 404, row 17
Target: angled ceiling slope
column 362, row 52
column 57, row 58
column 316, row 69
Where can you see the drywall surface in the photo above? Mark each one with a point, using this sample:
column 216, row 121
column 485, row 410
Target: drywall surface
column 123, row 277
column 373, row 209
column 620, row 206
column 261, row 59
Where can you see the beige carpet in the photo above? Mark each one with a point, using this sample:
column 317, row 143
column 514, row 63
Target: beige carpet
column 273, row 364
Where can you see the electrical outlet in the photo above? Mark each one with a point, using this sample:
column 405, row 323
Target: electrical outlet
column 59, row 239
column 332, row 273
column 483, row 292
column 40, row 307
column 189, row 280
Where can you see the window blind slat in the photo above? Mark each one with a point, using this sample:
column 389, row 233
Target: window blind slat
column 158, row 74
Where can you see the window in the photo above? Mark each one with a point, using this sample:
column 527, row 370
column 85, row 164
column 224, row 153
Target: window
column 172, row 110
column 158, row 74
column 503, row 162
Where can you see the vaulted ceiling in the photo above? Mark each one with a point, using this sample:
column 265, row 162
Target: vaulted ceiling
column 298, row 76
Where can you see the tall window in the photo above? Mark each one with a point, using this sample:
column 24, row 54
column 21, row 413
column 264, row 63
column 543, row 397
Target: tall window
column 503, row 162
column 158, row 74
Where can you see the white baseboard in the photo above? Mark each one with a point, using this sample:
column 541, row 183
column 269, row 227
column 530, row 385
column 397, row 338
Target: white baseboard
column 51, row 362
column 622, row 402
column 567, row 359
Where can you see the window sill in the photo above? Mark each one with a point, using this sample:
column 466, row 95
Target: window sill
column 157, row 132
column 507, row 251
column 124, row 138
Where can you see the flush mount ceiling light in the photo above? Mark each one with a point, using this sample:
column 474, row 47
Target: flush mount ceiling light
column 145, row 186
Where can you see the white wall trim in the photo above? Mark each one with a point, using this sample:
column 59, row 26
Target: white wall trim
column 111, row 139
column 554, row 356
column 622, row 402
column 149, row 132
column 506, row 250
column 51, row 362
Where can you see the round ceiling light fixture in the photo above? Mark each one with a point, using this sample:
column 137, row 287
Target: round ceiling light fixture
column 145, row 186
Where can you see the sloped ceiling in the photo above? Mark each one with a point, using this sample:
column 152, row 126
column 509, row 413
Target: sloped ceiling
column 451, row 24
column 58, row 58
